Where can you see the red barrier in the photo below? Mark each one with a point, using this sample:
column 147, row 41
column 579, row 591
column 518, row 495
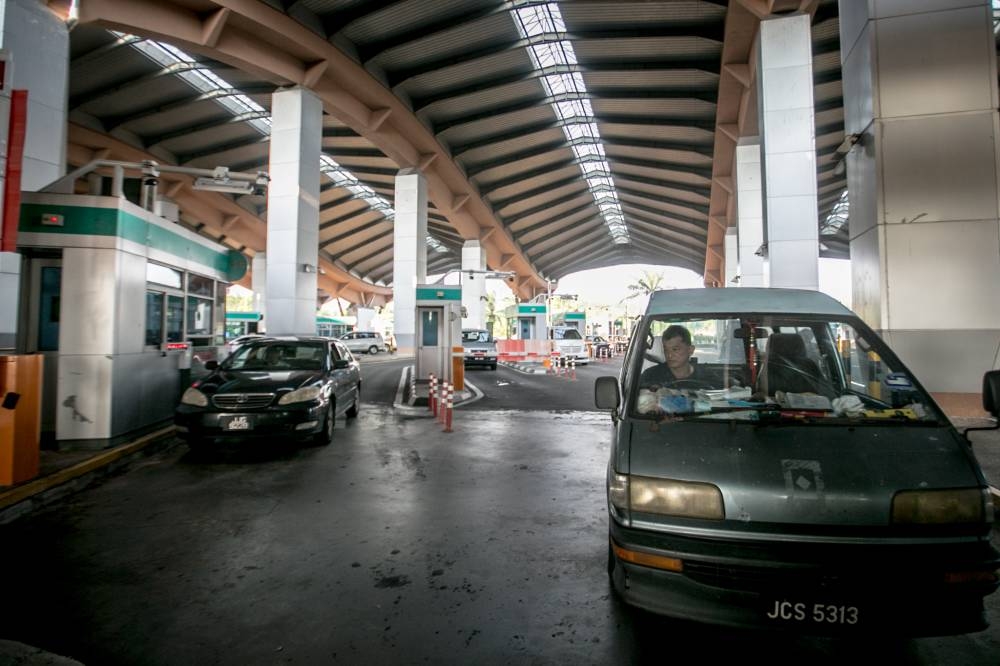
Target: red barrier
column 431, row 396
column 449, row 405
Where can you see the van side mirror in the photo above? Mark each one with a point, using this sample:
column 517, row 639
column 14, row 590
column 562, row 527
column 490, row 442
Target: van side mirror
column 991, row 392
column 211, row 365
column 607, row 393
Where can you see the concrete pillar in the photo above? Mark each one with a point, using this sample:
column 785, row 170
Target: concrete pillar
column 920, row 88
column 36, row 44
column 258, row 284
column 732, row 268
column 788, row 133
column 750, row 214
column 409, row 261
column 474, row 285
column 293, row 212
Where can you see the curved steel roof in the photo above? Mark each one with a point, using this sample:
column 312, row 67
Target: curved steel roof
column 455, row 88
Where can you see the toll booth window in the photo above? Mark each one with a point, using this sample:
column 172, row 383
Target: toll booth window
column 429, row 328
column 154, row 318
column 199, row 316
column 175, row 319
column 168, row 277
column 200, row 286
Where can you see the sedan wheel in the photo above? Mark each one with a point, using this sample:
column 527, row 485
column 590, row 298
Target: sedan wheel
column 352, row 411
column 325, row 436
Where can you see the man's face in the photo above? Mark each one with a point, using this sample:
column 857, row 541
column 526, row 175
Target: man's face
column 677, row 352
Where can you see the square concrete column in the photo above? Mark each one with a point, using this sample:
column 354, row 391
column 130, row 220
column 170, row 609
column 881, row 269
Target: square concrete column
column 258, row 284
column 750, row 214
column 409, row 255
column 732, row 268
column 473, row 285
column 920, row 90
column 293, row 212
column 788, row 133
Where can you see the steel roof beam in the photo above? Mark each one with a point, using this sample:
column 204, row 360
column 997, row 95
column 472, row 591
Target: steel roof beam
column 548, row 220
column 184, row 158
column 216, row 123
column 112, row 121
column 94, row 95
column 458, row 149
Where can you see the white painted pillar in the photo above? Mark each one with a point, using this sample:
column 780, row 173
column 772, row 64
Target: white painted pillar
column 750, row 214
column 36, row 44
column 920, row 87
column 474, row 285
column 732, row 268
column 788, row 133
column 293, row 212
column 409, row 262
column 258, row 284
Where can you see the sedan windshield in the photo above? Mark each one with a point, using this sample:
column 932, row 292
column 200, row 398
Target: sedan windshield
column 277, row 357
column 772, row 368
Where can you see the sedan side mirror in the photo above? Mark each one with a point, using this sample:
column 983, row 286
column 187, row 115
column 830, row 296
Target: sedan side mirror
column 991, row 392
column 211, row 365
column 341, row 363
column 607, row 393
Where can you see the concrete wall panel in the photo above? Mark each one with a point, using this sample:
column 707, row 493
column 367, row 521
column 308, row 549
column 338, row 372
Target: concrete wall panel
column 954, row 265
column 951, row 361
column 940, row 168
column 866, row 277
column 936, row 62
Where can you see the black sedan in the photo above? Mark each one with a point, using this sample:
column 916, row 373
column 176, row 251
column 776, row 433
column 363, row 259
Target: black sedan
column 287, row 387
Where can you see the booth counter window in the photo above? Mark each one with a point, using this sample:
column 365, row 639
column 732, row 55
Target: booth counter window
column 182, row 307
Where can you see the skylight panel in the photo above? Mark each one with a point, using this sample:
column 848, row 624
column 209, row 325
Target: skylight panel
column 543, row 26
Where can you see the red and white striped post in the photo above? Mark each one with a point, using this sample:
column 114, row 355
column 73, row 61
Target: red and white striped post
column 431, row 397
column 441, row 399
column 449, row 405
column 572, row 369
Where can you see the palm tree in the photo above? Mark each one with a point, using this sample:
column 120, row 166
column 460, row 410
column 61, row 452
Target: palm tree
column 645, row 285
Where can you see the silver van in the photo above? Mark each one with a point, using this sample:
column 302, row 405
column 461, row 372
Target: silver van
column 775, row 465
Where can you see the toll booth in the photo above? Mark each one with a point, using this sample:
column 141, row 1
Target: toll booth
column 577, row 320
column 124, row 305
column 439, row 333
column 528, row 321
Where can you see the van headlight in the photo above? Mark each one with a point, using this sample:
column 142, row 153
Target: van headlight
column 940, row 507
column 667, row 497
column 306, row 394
column 618, row 495
column 193, row 396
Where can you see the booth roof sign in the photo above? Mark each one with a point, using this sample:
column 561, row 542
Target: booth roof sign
column 439, row 293
column 530, row 308
column 576, row 315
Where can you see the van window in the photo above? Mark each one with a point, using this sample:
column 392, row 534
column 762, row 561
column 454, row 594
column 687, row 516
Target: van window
column 734, row 367
column 567, row 334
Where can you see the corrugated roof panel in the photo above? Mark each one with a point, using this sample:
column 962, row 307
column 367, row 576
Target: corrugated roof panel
column 654, row 132
column 552, row 176
column 405, row 17
column 484, row 101
column 510, row 146
column 643, row 49
column 668, row 209
column 574, row 189
column 196, row 141
column 671, row 156
column 683, row 79
column 664, row 190
column 664, row 174
column 615, row 14
column 497, row 29
column 498, row 125
column 258, row 151
column 693, row 109
column 469, row 73
column 552, row 212
column 511, row 168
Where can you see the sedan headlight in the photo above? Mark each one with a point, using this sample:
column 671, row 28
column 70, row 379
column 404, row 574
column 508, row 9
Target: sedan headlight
column 939, row 507
column 676, row 498
column 306, row 394
column 193, row 396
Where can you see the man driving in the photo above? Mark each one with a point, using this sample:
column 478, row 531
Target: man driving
column 676, row 370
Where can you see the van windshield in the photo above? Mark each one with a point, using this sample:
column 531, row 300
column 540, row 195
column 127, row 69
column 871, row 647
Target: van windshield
column 567, row 334
column 757, row 367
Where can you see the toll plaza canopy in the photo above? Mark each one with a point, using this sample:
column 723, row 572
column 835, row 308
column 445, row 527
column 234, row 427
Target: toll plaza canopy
column 562, row 135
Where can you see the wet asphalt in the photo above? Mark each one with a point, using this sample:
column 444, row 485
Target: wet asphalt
column 396, row 544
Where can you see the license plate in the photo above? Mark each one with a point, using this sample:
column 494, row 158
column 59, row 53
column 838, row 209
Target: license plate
column 478, row 354
column 237, row 423
column 813, row 612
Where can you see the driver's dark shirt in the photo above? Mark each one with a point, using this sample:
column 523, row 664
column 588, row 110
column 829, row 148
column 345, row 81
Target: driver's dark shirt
column 661, row 375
